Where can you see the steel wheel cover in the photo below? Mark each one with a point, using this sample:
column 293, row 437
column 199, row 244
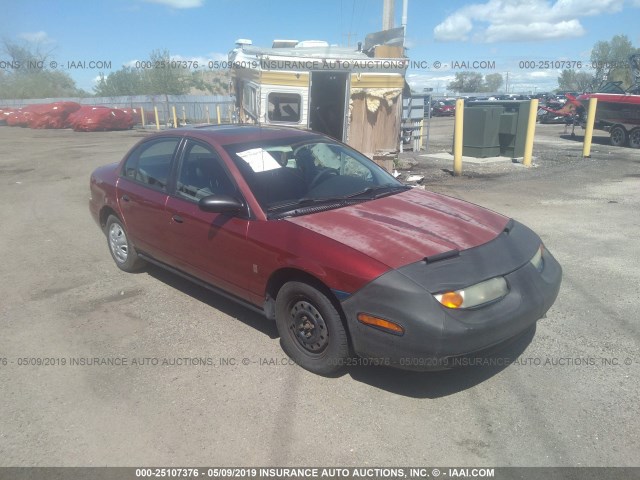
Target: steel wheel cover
column 118, row 243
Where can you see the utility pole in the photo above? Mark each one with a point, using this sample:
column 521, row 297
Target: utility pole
column 388, row 14
column 405, row 10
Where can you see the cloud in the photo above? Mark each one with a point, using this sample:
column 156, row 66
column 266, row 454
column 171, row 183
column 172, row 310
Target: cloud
column 179, row 3
column 218, row 56
column 36, row 37
column 564, row 9
column 543, row 74
column 533, row 31
column 455, row 27
column 524, row 81
column 409, row 42
column 439, row 82
column 418, row 77
column 521, row 20
column 131, row 63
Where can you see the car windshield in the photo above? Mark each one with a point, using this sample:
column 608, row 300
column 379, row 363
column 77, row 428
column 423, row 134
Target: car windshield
column 291, row 176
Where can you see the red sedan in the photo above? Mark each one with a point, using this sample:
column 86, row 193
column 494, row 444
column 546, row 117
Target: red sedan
column 443, row 108
column 345, row 259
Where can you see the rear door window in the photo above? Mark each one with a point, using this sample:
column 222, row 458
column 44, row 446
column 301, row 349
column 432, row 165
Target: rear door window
column 150, row 163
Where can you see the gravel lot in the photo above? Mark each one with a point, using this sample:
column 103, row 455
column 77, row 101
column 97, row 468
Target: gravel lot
column 571, row 399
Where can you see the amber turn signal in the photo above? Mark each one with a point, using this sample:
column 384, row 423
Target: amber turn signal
column 380, row 323
column 451, row 299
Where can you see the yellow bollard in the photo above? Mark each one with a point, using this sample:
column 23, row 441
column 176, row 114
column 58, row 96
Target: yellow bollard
column 155, row 110
column 591, row 118
column 175, row 118
column 457, row 138
column 208, row 118
column 218, row 111
column 184, row 115
column 142, row 116
column 531, row 131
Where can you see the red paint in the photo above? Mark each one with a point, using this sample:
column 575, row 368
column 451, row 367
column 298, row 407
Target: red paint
column 407, row 227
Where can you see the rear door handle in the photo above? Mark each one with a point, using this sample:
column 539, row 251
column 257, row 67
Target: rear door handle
column 177, row 219
column 125, row 198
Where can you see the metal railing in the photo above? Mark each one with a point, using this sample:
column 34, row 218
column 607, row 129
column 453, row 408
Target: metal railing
column 189, row 109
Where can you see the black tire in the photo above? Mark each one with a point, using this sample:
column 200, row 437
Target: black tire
column 311, row 330
column 120, row 246
column 618, row 136
column 634, row 138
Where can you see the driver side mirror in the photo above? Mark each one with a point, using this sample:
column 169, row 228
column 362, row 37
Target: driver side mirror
column 220, row 204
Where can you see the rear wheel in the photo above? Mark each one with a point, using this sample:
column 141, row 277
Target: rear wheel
column 618, row 136
column 120, row 246
column 634, row 138
column 310, row 328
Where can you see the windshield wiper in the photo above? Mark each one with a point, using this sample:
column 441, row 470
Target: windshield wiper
column 379, row 190
column 367, row 194
column 304, row 202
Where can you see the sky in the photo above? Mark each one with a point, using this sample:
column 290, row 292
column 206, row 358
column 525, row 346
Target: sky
column 528, row 40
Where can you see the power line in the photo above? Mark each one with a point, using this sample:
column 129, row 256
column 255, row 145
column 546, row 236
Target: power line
column 353, row 10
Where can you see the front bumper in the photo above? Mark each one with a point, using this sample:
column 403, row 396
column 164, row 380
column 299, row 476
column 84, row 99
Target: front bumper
column 433, row 334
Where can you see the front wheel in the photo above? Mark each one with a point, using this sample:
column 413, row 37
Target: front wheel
column 311, row 330
column 120, row 246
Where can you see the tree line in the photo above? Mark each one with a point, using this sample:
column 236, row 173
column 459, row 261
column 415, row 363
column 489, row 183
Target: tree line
column 474, row 82
column 609, row 62
column 24, row 81
column 40, row 81
column 163, row 77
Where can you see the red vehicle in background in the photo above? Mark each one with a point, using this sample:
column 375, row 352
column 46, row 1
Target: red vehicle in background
column 618, row 112
column 443, row 108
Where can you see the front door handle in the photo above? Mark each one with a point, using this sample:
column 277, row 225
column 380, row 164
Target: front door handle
column 177, row 219
column 125, row 198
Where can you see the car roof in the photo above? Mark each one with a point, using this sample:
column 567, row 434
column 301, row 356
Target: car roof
column 239, row 133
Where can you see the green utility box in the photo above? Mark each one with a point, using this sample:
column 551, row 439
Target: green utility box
column 481, row 129
column 511, row 125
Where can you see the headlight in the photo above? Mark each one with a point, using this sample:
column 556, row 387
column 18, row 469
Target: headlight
column 537, row 260
column 478, row 294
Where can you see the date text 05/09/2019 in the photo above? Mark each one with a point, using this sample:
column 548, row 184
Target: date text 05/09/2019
column 315, row 472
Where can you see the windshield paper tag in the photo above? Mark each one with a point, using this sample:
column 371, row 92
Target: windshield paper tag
column 259, row 160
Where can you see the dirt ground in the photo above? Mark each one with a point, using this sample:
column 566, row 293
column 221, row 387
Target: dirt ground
column 206, row 383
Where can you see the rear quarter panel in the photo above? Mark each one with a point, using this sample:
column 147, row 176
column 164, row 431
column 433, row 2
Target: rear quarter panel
column 102, row 187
